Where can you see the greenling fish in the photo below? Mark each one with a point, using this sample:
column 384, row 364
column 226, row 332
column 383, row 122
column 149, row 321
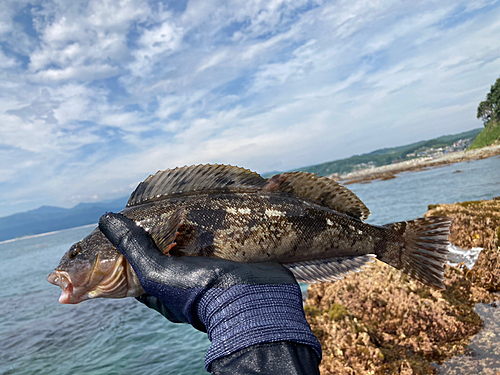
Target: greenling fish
column 310, row 224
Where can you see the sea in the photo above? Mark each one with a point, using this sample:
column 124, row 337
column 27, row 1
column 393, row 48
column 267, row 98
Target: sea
column 38, row 335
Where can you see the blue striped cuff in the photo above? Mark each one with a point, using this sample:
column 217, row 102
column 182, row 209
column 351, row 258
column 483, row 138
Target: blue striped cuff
column 245, row 315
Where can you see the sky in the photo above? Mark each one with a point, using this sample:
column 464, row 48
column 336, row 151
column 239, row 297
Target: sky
column 97, row 95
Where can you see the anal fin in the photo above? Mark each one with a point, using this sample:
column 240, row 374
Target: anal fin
column 331, row 269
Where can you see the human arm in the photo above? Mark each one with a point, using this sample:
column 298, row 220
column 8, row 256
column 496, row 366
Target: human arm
column 252, row 312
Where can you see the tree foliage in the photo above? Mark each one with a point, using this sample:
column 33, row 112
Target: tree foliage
column 490, row 108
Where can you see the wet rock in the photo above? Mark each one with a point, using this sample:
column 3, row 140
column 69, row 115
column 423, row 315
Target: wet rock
column 483, row 354
column 476, row 224
column 381, row 322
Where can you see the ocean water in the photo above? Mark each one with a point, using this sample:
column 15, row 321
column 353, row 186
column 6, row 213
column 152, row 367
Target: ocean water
column 40, row 336
column 408, row 195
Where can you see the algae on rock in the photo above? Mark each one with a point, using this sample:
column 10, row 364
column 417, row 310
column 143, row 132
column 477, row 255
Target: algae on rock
column 381, row 322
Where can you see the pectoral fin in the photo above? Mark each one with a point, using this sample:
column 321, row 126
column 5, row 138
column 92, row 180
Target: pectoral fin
column 165, row 233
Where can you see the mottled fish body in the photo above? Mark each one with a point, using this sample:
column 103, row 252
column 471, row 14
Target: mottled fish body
column 256, row 227
column 310, row 224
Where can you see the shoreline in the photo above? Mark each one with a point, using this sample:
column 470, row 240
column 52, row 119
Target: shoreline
column 390, row 171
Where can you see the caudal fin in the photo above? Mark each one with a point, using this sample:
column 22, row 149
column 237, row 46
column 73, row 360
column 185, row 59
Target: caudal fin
column 424, row 248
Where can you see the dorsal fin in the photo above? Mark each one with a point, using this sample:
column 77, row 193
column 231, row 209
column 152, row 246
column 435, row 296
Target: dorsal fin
column 332, row 269
column 194, row 178
column 322, row 190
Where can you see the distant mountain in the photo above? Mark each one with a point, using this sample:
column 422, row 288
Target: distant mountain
column 50, row 218
column 384, row 156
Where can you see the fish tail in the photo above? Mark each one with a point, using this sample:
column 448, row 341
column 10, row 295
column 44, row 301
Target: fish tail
column 419, row 248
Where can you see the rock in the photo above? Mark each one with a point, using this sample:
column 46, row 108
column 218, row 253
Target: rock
column 476, row 224
column 379, row 321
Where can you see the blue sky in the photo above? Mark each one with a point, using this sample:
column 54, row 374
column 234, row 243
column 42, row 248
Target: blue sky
column 96, row 95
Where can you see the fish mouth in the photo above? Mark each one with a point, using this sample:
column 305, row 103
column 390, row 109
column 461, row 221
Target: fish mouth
column 113, row 278
column 62, row 280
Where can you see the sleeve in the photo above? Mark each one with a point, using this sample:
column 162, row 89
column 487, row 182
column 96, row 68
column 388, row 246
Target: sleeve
column 283, row 357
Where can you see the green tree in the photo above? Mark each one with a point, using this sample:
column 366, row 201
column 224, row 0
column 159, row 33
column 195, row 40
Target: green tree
column 490, row 108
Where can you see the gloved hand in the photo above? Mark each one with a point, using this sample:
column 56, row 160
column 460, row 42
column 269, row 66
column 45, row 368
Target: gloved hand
column 239, row 305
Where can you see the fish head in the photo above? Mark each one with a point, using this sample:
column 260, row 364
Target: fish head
column 94, row 268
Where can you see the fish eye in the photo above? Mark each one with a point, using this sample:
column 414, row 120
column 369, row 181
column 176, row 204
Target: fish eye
column 74, row 253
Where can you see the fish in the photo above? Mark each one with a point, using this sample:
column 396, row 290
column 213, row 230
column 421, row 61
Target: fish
column 312, row 225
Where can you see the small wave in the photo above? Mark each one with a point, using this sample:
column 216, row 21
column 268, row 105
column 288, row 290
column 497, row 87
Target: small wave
column 458, row 255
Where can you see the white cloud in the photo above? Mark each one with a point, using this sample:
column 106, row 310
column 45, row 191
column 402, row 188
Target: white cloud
column 155, row 45
column 107, row 92
column 478, row 4
column 214, row 60
column 6, row 62
column 84, row 41
column 82, row 73
column 172, row 104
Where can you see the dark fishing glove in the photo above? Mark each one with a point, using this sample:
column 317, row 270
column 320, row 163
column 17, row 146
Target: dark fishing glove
column 239, row 305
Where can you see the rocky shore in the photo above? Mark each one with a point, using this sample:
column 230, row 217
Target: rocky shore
column 381, row 322
column 390, row 171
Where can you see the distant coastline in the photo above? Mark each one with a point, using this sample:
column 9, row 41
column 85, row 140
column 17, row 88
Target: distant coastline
column 390, row 171
column 48, row 219
column 387, row 156
column 44, row 234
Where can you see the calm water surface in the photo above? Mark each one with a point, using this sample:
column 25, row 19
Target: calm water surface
column 408, row 195
column 39, row 335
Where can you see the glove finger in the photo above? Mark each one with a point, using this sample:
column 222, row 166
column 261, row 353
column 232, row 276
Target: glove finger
column 130, row 239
